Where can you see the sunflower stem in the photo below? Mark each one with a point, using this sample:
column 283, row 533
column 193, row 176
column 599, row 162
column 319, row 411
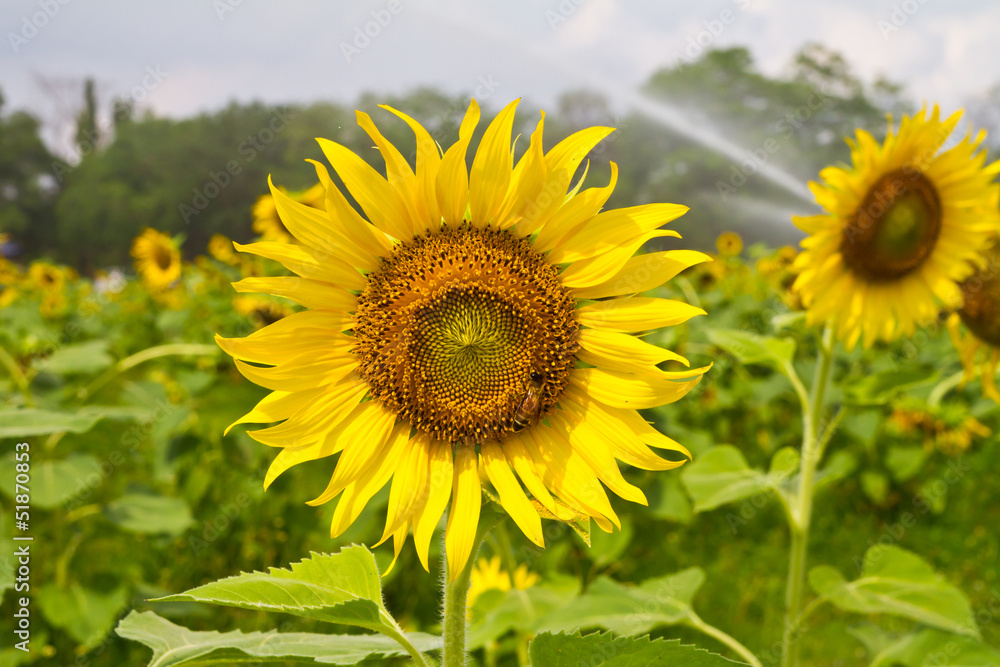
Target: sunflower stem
column 811, row 454
column 456, row 594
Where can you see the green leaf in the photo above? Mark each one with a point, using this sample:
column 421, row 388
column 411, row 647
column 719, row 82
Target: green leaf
column 630, row 610
column 877, row 388
column 78, row 358
column 905, row 462
column 174, row 645
column 875, row 485
column 87, row 615
column 604, row 650
column 721, row 475
column 667, row 500
column 336, row 588
column 785, row 462
column 605, row 548
column 898, row 582
column 29, row 421
column 933, row 648
column 149, row 514
column 750, row 348
column 54, row 483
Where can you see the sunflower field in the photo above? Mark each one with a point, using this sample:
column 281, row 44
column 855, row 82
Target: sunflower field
column 455, row 404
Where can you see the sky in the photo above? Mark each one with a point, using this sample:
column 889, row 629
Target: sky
column 182, row 57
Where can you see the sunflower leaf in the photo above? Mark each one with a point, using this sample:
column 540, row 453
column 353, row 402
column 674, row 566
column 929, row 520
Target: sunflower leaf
column 605, row 650
column 150, row 514
column 721, row 475
column 337, row 588
column 77, row 359
column 878, row 388
column 929, row 648
column 630, row 610
column 174, row 645
column 20, row 423
column 54, row 483
column 900, row 583
column 753, row 349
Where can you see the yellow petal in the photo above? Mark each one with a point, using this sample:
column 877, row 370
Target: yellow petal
column 622, row 352
column 362, row 446
column 277, row 406
column 610, row 229
column 409, row 486
column 322, row 229
column 358, row 493
column 527, row 180
column 307, row 370
column 574, row 214
column 596, row 452
column 308, row 263
column 365, row 420
column 379, row 200
column 490, row 174
column 439, row 491
column 637, row 313
column 314, row 421
column 356, row 238
column 512, row 497
column 644, row 272
column 519, row 457
column 397, row 169
column 561, row 163
column 622, row 390
column 596, row 270
column 428, row 163
column 303, row 291
column 466, row 502
column 452, row 185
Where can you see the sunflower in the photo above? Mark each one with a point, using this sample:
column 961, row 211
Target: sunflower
column 729, row 244
column 157, row 259
column 221, row 248
column 475, row 323
column 266, row 220
column 489, row 575
column 903, row 226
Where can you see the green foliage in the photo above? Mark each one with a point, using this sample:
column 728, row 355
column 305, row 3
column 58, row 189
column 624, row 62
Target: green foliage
column 605, row 650
column 898, row 582
column 337, row 588
column 174, row 645
column 721, row 475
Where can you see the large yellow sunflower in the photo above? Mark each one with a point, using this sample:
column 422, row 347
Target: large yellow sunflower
column 157, row 259
column 903, row 226
column 470, row 325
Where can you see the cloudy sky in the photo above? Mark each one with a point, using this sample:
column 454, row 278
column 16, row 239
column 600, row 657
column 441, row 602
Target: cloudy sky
column 184, row 56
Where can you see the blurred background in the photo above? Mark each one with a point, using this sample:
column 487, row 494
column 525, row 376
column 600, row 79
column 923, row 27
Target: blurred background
column 117, row 116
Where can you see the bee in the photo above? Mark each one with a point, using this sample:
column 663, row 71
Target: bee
column 530, row 408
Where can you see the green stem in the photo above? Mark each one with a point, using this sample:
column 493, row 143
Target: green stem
column 456, row 594
column 418, row 657
column 812, row 413
column 143, row 356
column 723, row 638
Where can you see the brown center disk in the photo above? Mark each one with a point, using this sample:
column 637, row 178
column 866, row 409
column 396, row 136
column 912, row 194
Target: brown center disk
column 895, row 229
column 981, row 295
column 468, row 334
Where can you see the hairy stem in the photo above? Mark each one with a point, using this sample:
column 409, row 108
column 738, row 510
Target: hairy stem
column 812, row 415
